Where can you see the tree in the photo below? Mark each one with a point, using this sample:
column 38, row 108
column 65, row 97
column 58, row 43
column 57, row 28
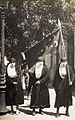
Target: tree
column 23, row 19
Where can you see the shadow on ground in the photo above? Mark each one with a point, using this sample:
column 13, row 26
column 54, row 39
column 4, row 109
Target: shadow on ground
column 29, row 112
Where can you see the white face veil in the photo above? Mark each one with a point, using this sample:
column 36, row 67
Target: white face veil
column 11, row 70
column 38, row 69
column 62, row 69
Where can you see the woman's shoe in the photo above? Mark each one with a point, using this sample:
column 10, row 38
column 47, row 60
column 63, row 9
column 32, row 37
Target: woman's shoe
column 33, row 112
column 12, row 112
column 41, row 112
column 67, row 114
column 57, row 115
column 17, row 112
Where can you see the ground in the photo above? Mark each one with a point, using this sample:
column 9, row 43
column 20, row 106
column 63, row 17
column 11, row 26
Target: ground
column 49, row 113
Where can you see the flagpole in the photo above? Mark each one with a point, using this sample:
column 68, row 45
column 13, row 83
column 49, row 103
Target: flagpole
column 64, row 51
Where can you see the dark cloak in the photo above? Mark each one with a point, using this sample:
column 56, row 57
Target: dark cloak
column 40, row 93
column 63, row 89
column 14, row 91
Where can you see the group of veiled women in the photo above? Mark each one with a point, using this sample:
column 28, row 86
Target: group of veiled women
column 38, row 86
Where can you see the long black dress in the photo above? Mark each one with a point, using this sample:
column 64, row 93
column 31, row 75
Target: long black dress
column 14, row 91
column 63, row 89
column 40, row 93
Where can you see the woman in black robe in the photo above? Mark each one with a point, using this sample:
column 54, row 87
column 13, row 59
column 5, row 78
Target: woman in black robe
column 39, row 85
column 63, row 86
column 14, row 91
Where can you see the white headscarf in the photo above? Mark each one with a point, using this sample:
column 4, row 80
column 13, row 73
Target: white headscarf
column 11, row 70
column 38, row 69
column 62, row 69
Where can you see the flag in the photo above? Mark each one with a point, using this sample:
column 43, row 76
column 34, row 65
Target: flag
column 62, row 46
column 53, row 45
column 39, row 48
column 33, row 53
column 57, row 43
